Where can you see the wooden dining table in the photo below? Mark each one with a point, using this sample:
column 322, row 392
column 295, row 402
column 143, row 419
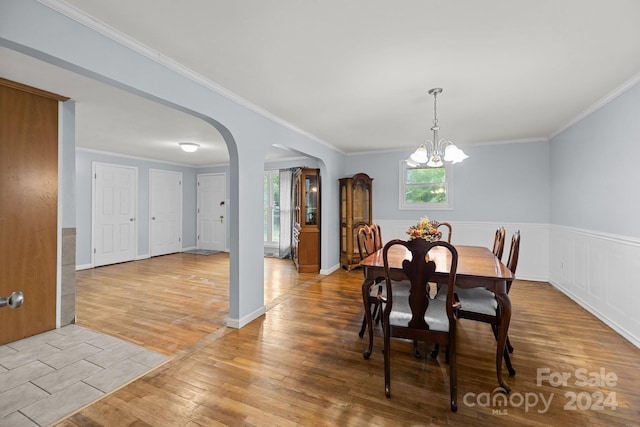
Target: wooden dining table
column 477, row 267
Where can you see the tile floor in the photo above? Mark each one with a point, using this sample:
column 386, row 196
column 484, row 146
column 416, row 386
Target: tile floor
column 48, row 376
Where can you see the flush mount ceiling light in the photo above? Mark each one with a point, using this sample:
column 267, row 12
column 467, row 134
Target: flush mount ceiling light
column 433, row 152
column 189, row 147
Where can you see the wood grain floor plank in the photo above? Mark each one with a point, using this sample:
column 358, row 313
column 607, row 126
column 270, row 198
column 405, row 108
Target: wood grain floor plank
column 301, row 363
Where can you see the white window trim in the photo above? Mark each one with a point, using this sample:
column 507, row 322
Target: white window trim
column 402, row 205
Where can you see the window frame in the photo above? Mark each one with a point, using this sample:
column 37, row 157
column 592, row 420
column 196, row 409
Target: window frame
column 448, row 183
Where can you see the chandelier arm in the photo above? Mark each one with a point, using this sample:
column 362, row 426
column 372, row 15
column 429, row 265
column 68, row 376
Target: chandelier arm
column 431, row 146
column 433, row 152
column 442, row 145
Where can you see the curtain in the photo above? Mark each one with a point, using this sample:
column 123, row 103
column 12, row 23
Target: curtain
column 286, row 213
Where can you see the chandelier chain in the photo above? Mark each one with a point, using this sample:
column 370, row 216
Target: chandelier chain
column 435, row 109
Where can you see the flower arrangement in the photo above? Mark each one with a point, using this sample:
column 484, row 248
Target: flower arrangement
column 424, row 229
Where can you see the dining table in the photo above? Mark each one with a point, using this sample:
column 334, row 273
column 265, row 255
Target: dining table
column 477, row 267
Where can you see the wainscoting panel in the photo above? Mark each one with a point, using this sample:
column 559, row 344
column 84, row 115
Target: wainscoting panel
column 599, row 272
column 534, row 244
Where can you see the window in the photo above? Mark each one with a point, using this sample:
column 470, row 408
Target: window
column 424, row 188
column 271, row 197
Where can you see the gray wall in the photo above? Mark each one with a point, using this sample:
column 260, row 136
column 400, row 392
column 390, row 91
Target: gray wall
column 84, row 159
column 594, row 173
column 497, row 183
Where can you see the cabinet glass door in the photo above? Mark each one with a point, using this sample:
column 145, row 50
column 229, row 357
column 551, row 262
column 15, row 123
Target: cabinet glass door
column 361, row 202
column 311, row 202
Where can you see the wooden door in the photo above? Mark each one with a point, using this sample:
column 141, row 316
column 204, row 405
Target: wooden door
column 114, row 213
column 165, row 228
column 212, row 212
column 28, row 209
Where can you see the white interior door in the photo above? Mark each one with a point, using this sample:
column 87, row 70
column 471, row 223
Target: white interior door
column 212, row 211
column 114, row 213
column 165, row 212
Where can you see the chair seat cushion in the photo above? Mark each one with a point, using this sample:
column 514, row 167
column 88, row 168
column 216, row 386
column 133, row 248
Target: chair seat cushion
column 478, row 300
column 435, row 317
column 473, row 300
column 400, row 289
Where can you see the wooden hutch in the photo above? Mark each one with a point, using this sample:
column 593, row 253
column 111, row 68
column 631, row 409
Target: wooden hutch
column 306, row 222
column 356, row 210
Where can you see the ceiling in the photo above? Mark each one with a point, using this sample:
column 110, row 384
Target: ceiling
column 355, row 74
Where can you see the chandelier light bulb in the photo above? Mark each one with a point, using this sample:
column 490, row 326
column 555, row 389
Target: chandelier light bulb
column 435, row 151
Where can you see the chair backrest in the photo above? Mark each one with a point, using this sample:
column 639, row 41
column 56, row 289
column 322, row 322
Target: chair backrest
column 420, row 270
column 438, row 224
column 514, row 252
column 369, row 240
column 498, row 242
column 377, row 236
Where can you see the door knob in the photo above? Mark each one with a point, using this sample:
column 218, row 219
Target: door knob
column 221, row 217
column 14, row 300
column 153, row 218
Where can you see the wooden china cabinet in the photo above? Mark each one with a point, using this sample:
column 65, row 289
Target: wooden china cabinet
column 306, row 222
column 356, row 210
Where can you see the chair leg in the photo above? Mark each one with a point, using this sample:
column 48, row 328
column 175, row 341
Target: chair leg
column 363, row 328
column 507, row 349
column 387, row 363
column 367, row 353
column 495, row 333
column 509, row 346
column 507, row 362
column 453, row 377
column 416, row 350
column 435, row 351
column 376, row 314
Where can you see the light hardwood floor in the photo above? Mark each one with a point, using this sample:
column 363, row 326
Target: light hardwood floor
column 301, row 363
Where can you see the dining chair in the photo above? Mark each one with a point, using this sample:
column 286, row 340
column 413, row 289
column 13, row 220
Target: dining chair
column 369, row 241
column 437, row 224
column 480, row 304
column 498, row 242
column 413, row 315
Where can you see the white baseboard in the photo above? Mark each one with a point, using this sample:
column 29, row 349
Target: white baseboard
column 593, row 310
column 330, row 270
column 598, row 271
column 239, row 323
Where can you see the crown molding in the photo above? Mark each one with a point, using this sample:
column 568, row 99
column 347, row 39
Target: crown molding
column 123, row 39
column 599, row 104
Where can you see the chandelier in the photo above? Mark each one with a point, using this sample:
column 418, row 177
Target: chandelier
column 433, row 152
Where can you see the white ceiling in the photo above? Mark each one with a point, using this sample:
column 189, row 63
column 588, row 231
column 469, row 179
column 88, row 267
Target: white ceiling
column 355, row 74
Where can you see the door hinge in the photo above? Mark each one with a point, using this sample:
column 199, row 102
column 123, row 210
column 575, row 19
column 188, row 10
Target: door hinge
column 94, row 250
column 198, row 237
column 95, row 176
column 179, row 239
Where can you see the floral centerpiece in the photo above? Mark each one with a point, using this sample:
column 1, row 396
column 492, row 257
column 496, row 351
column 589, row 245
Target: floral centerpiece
column 424, row 229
